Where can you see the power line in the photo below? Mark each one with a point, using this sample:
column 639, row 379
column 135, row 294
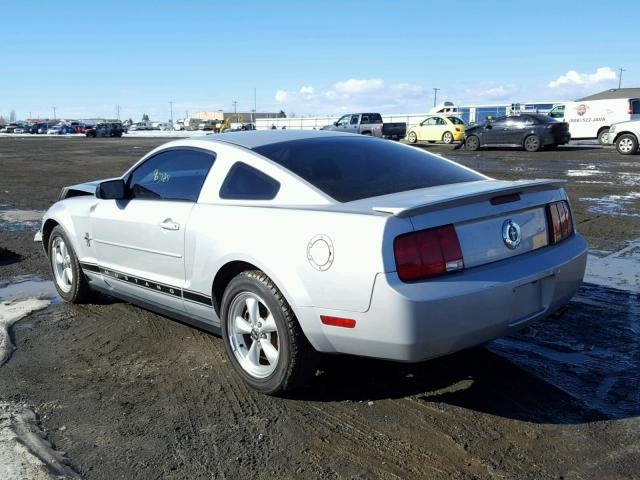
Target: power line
column 620, row 77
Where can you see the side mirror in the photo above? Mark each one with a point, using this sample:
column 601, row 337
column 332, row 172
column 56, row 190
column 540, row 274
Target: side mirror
column 335, row 124
column 112, row 190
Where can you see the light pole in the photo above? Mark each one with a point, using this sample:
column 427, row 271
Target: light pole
column 235, row 110
column 435, row 95
column 171, row 107
column 54, row 112
column 620, row 77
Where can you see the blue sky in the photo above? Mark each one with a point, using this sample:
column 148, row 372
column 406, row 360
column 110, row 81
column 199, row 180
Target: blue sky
column 306, row 57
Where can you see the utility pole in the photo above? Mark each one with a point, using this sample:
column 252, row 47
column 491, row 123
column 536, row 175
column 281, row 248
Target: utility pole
column 171, row 107
column 54, row 112
column 255, row 107
column 435, row 95
column 620, row 77
column 235, row 109
column 118, row 112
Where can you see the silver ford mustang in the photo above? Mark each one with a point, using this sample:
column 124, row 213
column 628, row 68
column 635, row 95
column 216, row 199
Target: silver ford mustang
column 292, row 243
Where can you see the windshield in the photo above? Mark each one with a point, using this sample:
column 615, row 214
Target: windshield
column 352, row 168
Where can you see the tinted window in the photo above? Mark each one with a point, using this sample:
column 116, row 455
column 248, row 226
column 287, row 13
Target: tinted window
column 176, row 174
column 354, row 119
column 539, row 118
column 375, row 118
column 349, row 169
column 635, row 107
column 455, row 120
column 246, row 183
column 557, row 112
column 499, row 122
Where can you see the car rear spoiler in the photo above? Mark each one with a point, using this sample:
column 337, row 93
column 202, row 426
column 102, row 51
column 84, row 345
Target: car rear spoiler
column 440, row 203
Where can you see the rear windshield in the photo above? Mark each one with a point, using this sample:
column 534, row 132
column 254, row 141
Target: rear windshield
column 350, row 168
column 456, row 120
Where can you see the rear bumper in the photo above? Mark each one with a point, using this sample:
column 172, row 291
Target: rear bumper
column 416, row 321
column 553, row 138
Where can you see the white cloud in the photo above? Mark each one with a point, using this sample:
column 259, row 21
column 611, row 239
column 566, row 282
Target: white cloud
column 355, row 86
column 491, row 92
column 355, row 94
column 572, row 78
column 281, row 96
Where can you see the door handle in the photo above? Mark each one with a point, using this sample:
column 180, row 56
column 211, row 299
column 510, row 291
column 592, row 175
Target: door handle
column 169, row 224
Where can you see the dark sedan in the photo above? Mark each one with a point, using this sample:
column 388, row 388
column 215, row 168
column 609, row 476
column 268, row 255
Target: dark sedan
column 531, row 131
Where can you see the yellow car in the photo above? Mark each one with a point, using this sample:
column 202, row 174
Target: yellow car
column 437, row 128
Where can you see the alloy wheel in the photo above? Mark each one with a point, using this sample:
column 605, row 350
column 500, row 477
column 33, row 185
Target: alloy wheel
column 61, row 263
column 253, row 335
column 625, row 145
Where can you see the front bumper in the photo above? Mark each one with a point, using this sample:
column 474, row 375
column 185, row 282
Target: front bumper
column 412, row 322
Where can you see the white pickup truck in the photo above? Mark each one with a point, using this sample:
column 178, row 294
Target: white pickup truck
column 625, row 136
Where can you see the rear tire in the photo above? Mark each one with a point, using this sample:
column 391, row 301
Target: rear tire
column 627, row 144
column 472, row 143
column 70, row 282
column 447, row 138
column 532, row 143
column 262, row 337
column 603, row 136
column 412, row 137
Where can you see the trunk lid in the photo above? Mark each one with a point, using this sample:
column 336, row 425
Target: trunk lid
column 482, row 213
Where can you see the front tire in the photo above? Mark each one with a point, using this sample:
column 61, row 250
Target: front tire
column 532, row 143
column 627, row 144
column 412, row 137
column 70, row 282
column 447, row 138
column 472, row 143
column 262, row 337
column 603, row 136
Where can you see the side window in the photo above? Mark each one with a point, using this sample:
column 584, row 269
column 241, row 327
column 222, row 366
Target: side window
column 440, row 121
column 344, row 120
column 244, row 182
column 429, row 121
column 376, row 118
column 557, row 112
column 366, row 119
column 354, row 119
column 176, row 174
column 635, row 107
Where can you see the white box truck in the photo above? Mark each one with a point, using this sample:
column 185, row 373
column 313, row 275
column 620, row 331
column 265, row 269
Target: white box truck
column 589, row 119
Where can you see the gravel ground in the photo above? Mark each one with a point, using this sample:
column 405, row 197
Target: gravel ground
column 130, row 394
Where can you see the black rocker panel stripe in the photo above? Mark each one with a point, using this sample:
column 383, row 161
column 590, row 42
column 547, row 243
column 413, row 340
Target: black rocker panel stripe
column 196, row 297
column 190, row 296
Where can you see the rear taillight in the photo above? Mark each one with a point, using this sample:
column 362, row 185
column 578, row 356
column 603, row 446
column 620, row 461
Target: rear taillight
column 428, row 253
column 559, row 221
column 458, row 129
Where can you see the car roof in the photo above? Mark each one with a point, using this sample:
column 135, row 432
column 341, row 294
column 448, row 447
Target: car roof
column 258, row 138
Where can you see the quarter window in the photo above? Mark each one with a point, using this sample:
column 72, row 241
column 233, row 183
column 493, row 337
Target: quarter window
column 244, row 182
column 176, row 174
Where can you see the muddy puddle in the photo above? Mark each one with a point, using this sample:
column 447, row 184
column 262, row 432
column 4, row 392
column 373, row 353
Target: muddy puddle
column 20, row 220
column 28, row 286
column 592, row 353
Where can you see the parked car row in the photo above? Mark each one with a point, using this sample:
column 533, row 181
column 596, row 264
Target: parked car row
column 44, row 128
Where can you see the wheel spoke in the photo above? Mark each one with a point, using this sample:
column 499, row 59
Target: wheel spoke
column 63, row 250
column 67, row 275
column 253, row 355
column 59, row 258
column 269, row 350
column 252, row 308
column 242, row 326
column 269, row 324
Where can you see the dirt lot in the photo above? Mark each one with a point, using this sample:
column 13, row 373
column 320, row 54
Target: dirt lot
column 130, row 394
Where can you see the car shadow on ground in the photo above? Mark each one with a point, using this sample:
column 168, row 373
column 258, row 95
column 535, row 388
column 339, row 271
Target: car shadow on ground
column 578, row 368
column 475, row 379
